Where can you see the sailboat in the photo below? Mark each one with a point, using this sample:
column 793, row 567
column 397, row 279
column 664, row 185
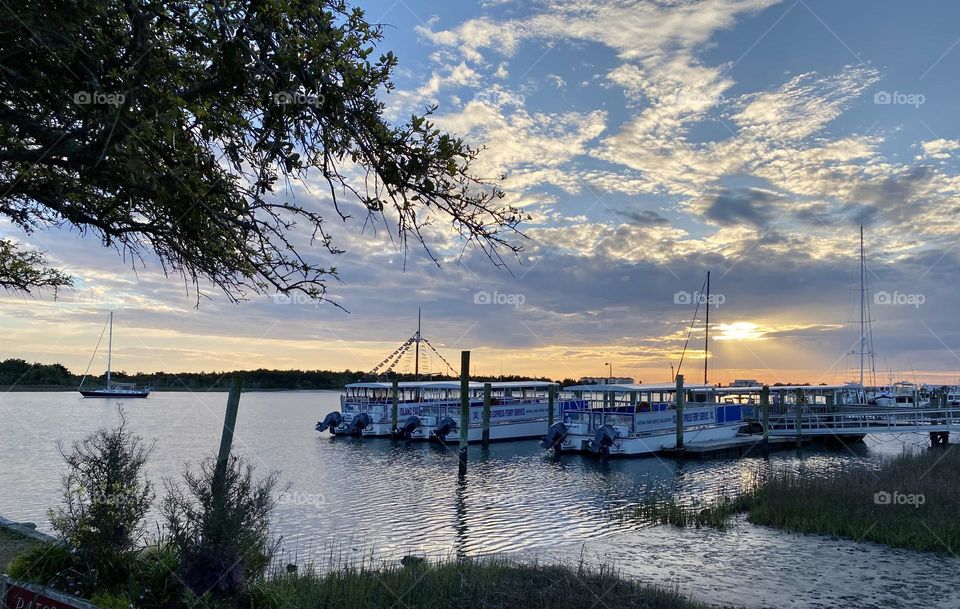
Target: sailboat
column 112, row 389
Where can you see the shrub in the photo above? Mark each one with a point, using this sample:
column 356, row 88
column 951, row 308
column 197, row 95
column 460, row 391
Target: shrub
column 105, row 499
column 221, row 538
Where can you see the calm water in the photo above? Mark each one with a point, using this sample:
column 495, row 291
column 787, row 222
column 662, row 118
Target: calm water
column 356, row 499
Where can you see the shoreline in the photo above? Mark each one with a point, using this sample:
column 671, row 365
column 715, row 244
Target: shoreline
column 225, row 389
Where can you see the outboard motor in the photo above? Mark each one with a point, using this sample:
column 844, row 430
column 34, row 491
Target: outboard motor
column 603, row 440
column 555, row 436
column 406, row 430
column 446, row 426
column 360, row 422
column 331, row 421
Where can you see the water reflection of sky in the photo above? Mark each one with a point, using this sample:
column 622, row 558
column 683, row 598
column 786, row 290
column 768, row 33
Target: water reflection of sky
column 353, row 500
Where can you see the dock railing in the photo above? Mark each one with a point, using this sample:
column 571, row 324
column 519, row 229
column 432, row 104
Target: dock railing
column 879, row 420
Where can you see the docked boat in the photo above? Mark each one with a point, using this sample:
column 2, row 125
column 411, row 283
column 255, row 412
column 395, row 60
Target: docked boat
column 366, row 409
column 902, row 394
column 640, row 419
column 111, row 388
column 518, row 410
column 431, row 410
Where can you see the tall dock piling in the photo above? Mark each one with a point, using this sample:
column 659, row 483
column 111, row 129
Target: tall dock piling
column 765, row 408
column 396, row 404
column 226, row 438
column 798, row 424
column 464, row 409
column 680, row 397
column 551, row 396
column 487, row 388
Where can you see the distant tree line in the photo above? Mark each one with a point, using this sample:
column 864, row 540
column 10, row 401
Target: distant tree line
column 18, row 373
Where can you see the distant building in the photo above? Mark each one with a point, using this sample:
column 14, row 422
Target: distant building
column 745, row 383
column 606, row 380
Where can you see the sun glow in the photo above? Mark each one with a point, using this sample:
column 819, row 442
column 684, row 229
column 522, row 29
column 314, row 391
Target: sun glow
column 740, row 330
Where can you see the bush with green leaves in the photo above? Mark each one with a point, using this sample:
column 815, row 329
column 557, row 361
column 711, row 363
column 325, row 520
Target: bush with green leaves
column 220, row 528
column 105, row 499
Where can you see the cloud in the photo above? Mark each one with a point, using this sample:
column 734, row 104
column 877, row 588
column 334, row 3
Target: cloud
column 556, row 82
column 740, row 206
column 644, row 217
column 803, row 105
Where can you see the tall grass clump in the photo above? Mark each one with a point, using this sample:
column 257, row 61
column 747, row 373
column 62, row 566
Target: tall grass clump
column 465, row 583
column 911, row 501
column 656, row 509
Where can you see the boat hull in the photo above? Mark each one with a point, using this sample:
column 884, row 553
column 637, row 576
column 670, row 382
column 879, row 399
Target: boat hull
column 106, row 393
column 634, row 446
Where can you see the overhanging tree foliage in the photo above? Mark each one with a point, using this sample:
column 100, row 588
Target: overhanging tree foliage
column 179, row 126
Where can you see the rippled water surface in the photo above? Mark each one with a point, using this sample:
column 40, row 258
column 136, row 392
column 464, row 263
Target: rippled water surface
column 354, row 499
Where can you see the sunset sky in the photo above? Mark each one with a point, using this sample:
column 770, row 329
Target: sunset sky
column 650, row 142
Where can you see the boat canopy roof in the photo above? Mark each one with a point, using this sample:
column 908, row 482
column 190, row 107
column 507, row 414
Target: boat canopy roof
column 758, row 388
column 523, row 384
column 413, row 385
column 639, row 387
column 743, row 389
column 814, row 387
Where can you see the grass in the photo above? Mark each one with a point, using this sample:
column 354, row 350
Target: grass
column 12, row 545
column 668, row 510
column 923, row 489
column 415, row 583
column 467, row 583
column 911, row 501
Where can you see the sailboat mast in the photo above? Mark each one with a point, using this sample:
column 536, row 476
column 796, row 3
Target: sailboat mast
column 863, row 305
column 110, row 349
column 706, row 333
column 416, row 364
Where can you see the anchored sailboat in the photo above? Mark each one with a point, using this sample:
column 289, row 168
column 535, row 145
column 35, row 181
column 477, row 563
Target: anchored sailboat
column 111, row 389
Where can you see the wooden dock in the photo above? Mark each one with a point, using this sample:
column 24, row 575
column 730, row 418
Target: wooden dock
column 740, row 446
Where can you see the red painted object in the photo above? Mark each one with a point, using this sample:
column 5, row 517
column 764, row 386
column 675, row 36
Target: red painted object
column 18, row 595
column 21, row 598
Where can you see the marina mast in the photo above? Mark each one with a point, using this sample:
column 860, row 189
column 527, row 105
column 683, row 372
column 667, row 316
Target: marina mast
column 416, row 358
column 866, row 329
column 706, row 333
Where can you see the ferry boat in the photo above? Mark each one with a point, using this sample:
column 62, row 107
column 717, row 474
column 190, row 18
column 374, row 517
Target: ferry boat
column 111, row 388
column 430, row 410
column 366, row 409
column 518, row 410
column 640, row 419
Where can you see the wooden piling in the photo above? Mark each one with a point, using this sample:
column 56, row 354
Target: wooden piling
column 394, row 414
column 679, row 409
column 226, row 437
column 464, row 409
column 765, row 408
column 487, row 388
column 551, row 392
column 799, row 415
